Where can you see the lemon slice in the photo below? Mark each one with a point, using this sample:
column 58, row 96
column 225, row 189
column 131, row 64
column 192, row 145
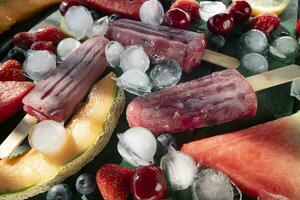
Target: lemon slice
column 267, row 6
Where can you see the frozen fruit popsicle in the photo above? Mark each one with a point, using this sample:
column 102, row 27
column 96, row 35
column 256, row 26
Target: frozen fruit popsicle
column 217, row 98
column 214, row 99
column 262, row 160
column 125, row 8
column 57, row 96
column 160, row 41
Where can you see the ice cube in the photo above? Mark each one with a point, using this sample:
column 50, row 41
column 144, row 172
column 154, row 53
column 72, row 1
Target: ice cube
column 210, row 184
column 134, row 57
column 295, row 89
column 284, row 48
column 78, row 20
column 211, row 8
column 98, row 28
column 135, row 82
column 253, row 41
column 165, row 73
column 255, row 63
column 39, row 64
column 137, row 146
column 66, row 47
column 113, row 51
column 152, row 12
column 179, row 169
column 48, row 137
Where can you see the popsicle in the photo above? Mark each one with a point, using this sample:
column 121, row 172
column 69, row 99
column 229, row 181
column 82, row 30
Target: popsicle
column 187, row 47
column 262, row 160
column 214, row 99
column 57, row 96
column 125, row 8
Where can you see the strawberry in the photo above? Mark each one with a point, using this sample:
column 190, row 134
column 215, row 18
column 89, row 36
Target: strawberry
column 23, row 40
column 298, row 27
column 49, row 33
column 44, row 45
column 190, row 6
column 11, row 70
column 11, row 95
column 265, row 22
column 114, row 181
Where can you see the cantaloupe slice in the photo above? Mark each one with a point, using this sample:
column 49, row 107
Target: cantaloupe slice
column 90, row 129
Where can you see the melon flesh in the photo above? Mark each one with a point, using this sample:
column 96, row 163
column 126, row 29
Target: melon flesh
column 85, row 127
column 264, row 160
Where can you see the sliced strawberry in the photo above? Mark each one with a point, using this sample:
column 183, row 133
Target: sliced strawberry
column 190, row 6
column 44, row 45
column 11, row 70
column 265, row 22
column 11, row 95
column 298, row 27
column 114, row 181
column 23, row 40
column 49, row 33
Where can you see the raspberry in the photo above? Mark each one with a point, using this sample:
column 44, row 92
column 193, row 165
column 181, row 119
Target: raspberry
column 49, row 33
column 23, row 40
column 265, row 22
column 44, row 45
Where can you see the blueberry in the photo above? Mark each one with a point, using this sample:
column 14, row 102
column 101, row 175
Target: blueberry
column 114, row 17
column 16, row 54
column 217, row 42
column 96, row 15
column 85, row 184
column 163, row 143
column 60, row 192
column 279, row 32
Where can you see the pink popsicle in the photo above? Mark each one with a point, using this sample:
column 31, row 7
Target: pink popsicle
column 160, row 41
column 57, row 96
column 214, row 99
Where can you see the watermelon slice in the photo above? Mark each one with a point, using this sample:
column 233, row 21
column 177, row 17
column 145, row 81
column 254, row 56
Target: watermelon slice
column 11, row 95
column 264, row 160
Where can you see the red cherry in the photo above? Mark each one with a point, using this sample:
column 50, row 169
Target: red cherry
column 148, row 182
column 65, row 5
column 177, row 18
column 221, row 24
column 240, row 11
column 298, row 27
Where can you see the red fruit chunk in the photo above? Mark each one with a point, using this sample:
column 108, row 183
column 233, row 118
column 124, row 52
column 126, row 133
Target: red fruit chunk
column 148, row 182
column 265, row 22
column 11, row 70
column 65, row 5
column 190, row 6
column 23, row 40
column 113, row 181
column 49, row 33
column 177, row 18
column 44, row 45
column 298, row 27
column 240, row 11
column 221, row 24
column 11, row 95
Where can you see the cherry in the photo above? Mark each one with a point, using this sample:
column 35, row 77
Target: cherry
column 221, row 24
column 65, row 5
column 177, row 18
column 240, row 11
column 298, row 27
column 148, row 182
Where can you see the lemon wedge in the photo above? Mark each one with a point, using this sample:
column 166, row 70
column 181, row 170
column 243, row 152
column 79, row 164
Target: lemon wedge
column 267, row 6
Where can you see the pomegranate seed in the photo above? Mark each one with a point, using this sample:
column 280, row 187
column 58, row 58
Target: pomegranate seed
column 177, row 18
column 240, row 11
column 148, row 182
column 221, row 24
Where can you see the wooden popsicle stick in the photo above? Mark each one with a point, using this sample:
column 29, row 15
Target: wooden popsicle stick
column 17, row 136
column 220, row 59
column 275, row 77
